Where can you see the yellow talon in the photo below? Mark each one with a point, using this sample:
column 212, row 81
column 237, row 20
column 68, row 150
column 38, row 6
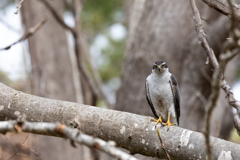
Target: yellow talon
column 168, row 122
column 157, row 121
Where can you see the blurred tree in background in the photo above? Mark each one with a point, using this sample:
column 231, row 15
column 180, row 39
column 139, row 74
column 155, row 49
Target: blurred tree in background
column 114, row 58
column 97, row 18
column 5, row 3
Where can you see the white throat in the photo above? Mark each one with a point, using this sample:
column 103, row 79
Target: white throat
column 160, row 77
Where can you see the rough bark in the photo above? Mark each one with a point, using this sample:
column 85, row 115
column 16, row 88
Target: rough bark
column 52, row 74
column 133, row 132
column 166, row 31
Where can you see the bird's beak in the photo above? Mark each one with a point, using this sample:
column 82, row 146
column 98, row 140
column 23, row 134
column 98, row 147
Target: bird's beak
column 159, row 68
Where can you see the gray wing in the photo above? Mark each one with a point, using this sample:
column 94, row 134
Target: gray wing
column 149, row 100
column 176, row 94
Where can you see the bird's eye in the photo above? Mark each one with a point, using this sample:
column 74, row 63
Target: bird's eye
column 155, row 66
column 163, row 65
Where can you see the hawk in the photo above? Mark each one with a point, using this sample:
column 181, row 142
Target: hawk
column 163, row 95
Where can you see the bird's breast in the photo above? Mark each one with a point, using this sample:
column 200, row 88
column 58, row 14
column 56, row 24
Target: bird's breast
column 161, row 95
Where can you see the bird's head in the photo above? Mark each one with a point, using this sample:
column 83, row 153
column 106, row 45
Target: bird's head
column 160, row 67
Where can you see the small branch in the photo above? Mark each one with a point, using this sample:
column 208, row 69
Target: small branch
column 56, row 16
column 202, row 37
column 10, row 143
column 210, row 107
column 19, row 147
column 27, row 34
column 223, row 7
column 162, row 145
column 63, row 131
column 19, row 6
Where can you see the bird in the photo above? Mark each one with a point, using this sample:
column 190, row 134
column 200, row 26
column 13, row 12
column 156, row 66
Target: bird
column 163, row 95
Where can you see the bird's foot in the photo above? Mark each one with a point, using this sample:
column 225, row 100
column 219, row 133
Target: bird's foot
column 158, row 121
column 168, row 122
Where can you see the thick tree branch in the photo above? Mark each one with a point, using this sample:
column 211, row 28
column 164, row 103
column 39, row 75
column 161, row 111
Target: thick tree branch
column 223, row 7
column 133, row 132
column 66, row 132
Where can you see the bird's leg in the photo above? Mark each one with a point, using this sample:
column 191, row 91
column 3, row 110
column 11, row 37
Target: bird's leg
column 157, row 121
column 168, row 122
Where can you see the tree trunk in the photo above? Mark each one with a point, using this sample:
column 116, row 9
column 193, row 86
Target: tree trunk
column 165, row 30
column 52, row 74
column 51, row 67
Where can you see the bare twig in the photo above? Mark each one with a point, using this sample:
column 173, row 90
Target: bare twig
column 162, row 145
column 94, row 85
column 202, row 37
column 19, row 147
column 56, row 16
column 27, row 34
column 10, row 143
column 64, row 131
column 211, row 104
column 19, row 6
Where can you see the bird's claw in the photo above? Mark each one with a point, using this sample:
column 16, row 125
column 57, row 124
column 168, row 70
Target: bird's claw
column 157, row 121
column 168, row 122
